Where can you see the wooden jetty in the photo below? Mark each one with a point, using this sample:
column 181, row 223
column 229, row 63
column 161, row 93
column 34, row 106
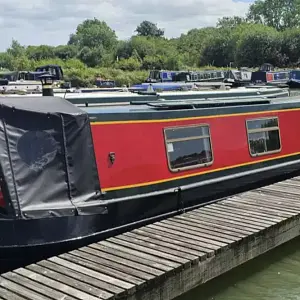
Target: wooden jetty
column 167, row 258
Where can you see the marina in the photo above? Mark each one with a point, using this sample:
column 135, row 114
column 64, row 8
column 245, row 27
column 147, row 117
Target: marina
column 170, row 257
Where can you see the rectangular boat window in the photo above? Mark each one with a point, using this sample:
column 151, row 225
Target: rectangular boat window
column 188, row 147
column 263, row 136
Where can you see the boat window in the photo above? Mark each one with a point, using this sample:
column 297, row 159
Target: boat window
column 263, row 136
column 188, row 147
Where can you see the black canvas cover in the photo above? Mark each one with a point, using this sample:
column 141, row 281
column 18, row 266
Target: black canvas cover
column 47, row 157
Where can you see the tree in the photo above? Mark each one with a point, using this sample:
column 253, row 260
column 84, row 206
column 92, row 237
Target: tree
column 191, row 45
column 16, row 49
column 230, row 22
column 290, row 46
column 40, row 52
column 259, row 44
column 219, row 49
column 280, row 14
column 92, row 34
column 147, row 28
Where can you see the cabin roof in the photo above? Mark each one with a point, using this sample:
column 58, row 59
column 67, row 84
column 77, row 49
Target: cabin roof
column 209, row 105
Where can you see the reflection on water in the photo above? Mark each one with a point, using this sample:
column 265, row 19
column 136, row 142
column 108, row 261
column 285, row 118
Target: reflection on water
column 272, row 276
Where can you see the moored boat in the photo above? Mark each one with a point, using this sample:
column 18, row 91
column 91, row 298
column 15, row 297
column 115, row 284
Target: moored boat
column 294, row 79
column 71, row 174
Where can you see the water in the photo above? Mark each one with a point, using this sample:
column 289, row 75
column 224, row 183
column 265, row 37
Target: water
column 272, row 276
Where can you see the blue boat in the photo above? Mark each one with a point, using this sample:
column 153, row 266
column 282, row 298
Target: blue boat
column 294, row 79
column 267, row 75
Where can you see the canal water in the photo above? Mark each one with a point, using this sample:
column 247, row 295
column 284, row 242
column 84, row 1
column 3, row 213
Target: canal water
column 272, row 276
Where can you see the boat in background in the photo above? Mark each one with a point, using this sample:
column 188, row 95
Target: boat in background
column 267, row 75
column 238, row 78
column 162, row 80
column 294, row 80
column 125, row 97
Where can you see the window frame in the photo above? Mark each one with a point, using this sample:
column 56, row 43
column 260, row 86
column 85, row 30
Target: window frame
column 187, row 139
column 263, row 130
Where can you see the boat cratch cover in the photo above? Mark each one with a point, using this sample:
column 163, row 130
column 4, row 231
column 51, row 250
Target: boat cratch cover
column 47, row 158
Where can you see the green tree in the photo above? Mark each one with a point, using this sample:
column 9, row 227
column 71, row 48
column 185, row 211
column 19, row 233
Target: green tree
column 191, row 45
column 219, row 49
column 280, row 14
column 259, row 44
column 16, row 49
column 290, row 46
column 147, row 28
column 230, row 22
column 92, row 34
column 40, row 52
column 65, row 51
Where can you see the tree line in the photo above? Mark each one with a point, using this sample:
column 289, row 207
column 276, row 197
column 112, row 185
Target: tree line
column 269, row 32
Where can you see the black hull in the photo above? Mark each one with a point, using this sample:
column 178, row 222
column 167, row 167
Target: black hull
column 38, row 238
column 293, row 84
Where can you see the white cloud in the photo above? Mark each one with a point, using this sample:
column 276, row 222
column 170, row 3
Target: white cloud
column 35, row 22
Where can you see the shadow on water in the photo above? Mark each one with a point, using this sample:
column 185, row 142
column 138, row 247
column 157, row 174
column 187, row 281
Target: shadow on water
column 214, row 287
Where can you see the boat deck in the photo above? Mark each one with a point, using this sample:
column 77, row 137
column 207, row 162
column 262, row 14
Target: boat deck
column 167, row 258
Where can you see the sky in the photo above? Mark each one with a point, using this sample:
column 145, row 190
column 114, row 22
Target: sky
column 36, row 22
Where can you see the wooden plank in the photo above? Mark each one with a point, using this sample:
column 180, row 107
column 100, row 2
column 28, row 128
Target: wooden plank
column 262, row 203
column 244, row 214
column 198, row 241
column 111, row 248
column 52, row 279
column 209, row 234
column 95, row 268
column 43, row 290
column 103, row 294
column 162, row 235
column 159, row 245
column 162, row 264
column 9, row 295
column 172, row 259
column 108, row 284
column 254, row 213
column 118, row 264
column 191, row 230
column 215, row 228
column 95, row 263
column 161, row 240
column 259, row 207
column 122, row 259
column 235, row 220
column 224, row 221
column 21, row 290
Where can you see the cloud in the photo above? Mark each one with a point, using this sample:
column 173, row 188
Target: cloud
column 52, row 21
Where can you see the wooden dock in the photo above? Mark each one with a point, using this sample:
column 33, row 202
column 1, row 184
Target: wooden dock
column 167, row 258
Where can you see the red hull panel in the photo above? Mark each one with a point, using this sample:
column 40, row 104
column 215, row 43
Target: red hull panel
column 141, row 155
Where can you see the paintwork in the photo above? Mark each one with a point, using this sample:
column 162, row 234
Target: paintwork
column 141, row 152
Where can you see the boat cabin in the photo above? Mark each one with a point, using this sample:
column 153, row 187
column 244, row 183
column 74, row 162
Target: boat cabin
column 54, row 70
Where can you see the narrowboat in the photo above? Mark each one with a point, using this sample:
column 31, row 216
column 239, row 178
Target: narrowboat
column 116, row 98
column 238, row 77
column 294, row 79
column 178, row 80
column 72, row 175
column 267, row 75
